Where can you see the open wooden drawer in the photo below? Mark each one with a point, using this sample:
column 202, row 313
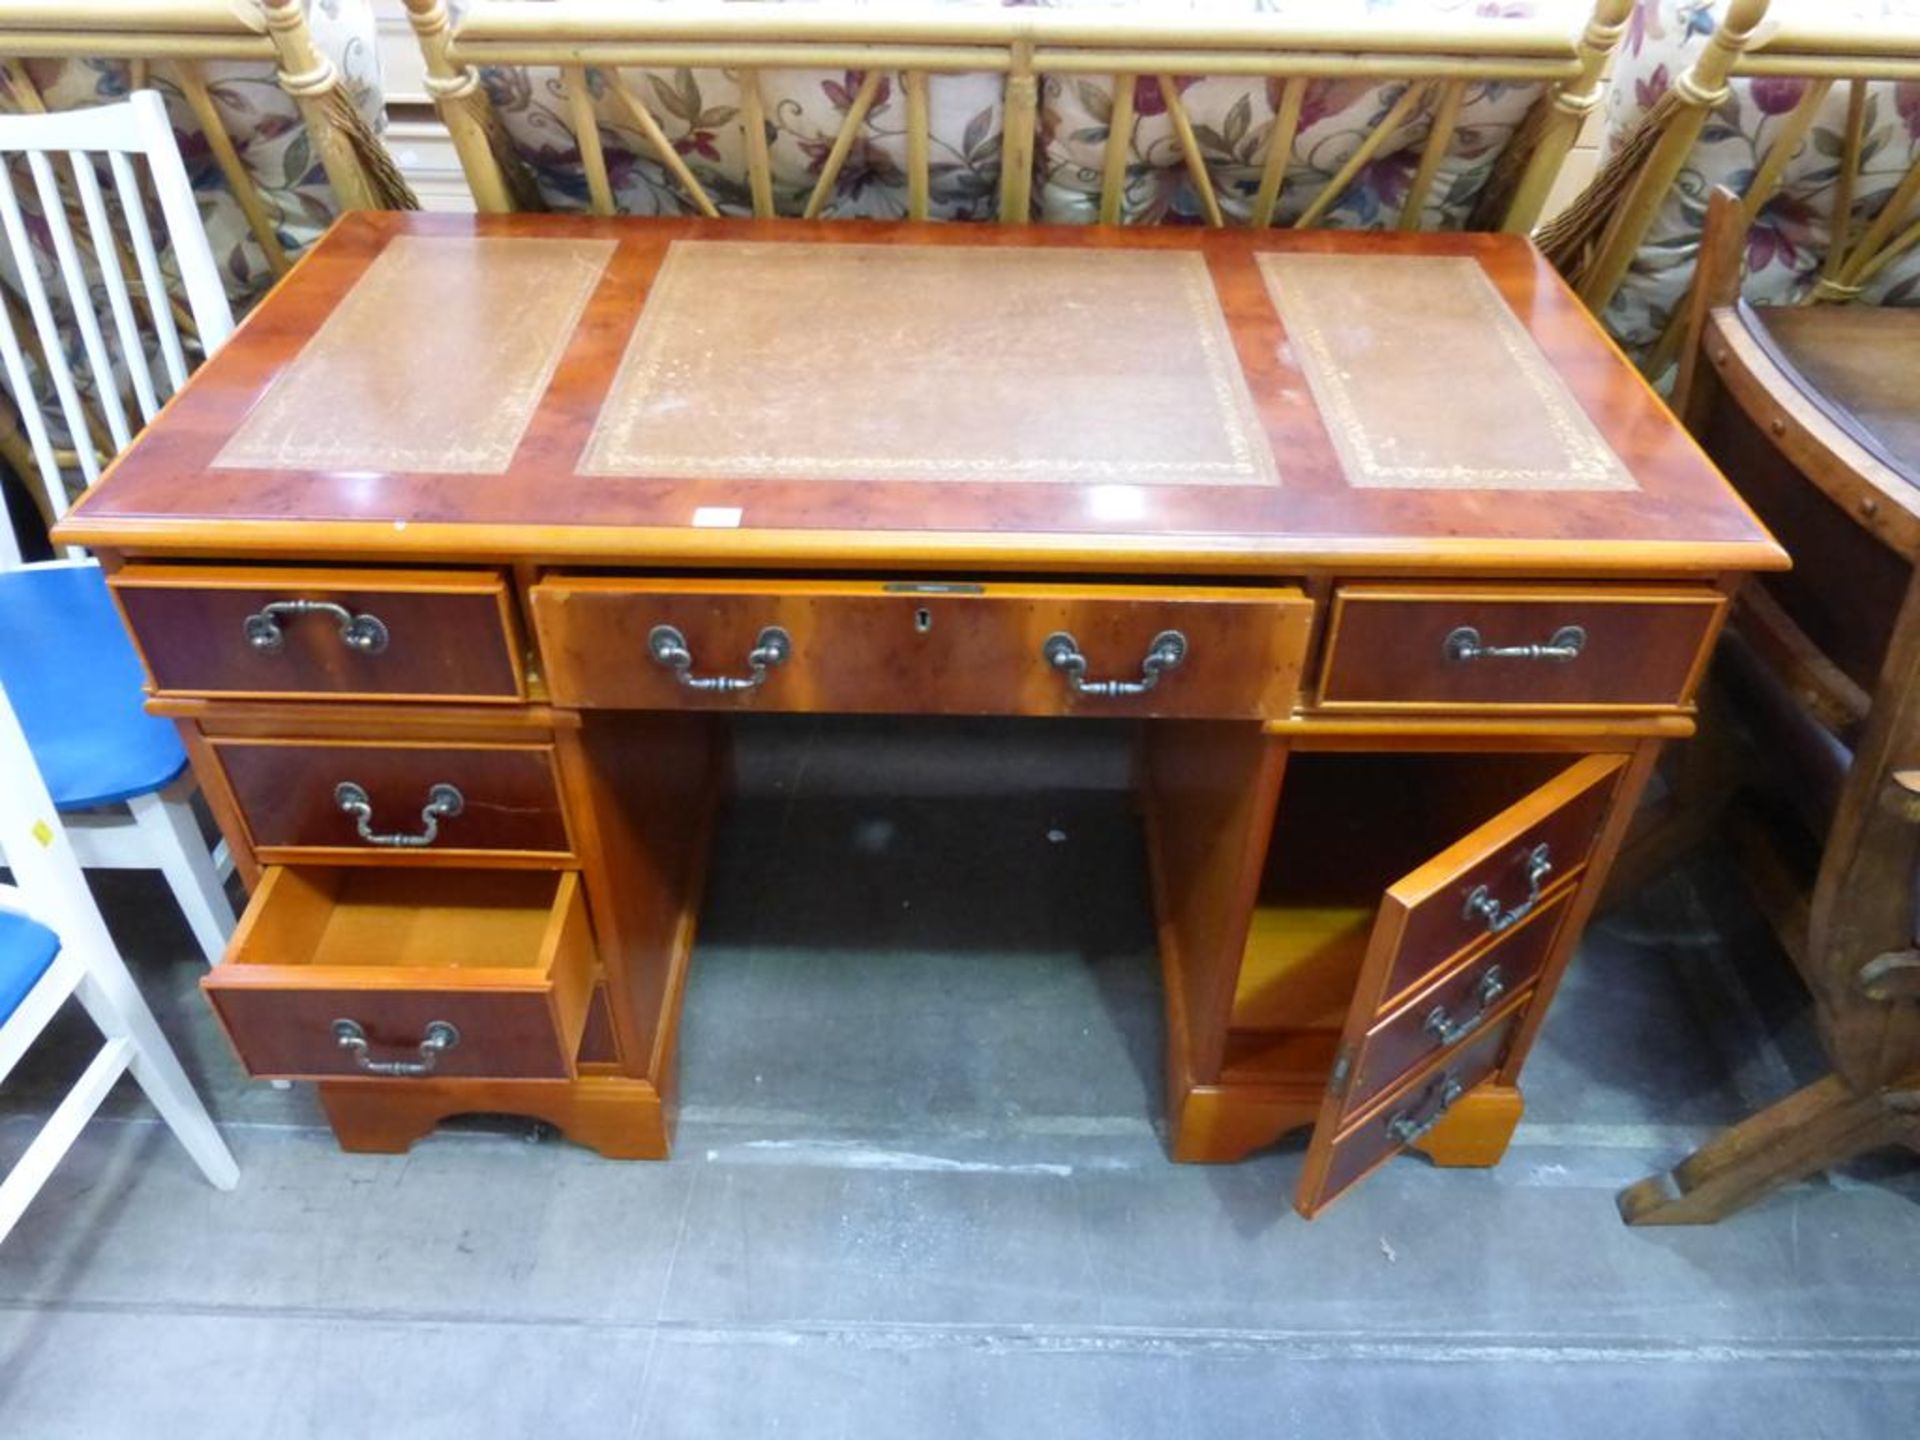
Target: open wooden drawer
column 352, row 971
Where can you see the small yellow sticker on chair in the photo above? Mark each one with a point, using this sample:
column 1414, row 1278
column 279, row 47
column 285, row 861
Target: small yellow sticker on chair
column 43, row 832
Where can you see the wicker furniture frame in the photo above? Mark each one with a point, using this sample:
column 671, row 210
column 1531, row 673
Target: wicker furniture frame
column 928, row 38
column 1594, row 241
column 182, row 35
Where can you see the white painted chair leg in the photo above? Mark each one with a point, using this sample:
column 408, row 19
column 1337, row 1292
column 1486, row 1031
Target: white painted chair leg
column 171, row 829
column 119, row 1009
column 56, row 1137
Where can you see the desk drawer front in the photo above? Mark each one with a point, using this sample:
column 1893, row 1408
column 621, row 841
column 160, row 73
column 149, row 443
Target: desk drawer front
column 1527, row 647
column 1486, row 885
column 387, row 634
column 396, row 803
column 929, row 649
column 1450, row 1011
column 443, row 973
column 1408, row 1114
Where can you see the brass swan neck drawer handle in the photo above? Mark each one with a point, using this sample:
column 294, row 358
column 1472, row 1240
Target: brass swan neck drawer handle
column 441, row 1037
column 1448, row 1028
column 366, row 634
column 1464, row 643
column 1062, row 652
column 772, row 647
column 1408, row 1126
column 443, row 803
column 1482, row 906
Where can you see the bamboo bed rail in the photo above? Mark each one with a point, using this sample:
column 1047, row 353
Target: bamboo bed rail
column 1436, row 62
column 1595, row 240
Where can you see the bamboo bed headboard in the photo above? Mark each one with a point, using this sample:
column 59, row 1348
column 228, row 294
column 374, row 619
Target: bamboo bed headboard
column 1432, row 65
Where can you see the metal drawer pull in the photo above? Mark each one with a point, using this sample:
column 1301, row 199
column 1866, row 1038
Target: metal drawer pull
column 443, row 802
column 1464, row 643
column 771, row 647
column 1062, row 652
column 441, row 1037
column 1481, row 904
column 364, row 633
column 1448, row 1028
column 1409, row 1125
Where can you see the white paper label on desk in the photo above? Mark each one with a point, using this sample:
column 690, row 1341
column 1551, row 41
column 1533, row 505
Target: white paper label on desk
column 717, row 517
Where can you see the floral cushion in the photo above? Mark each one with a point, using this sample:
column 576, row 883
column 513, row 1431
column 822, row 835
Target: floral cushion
column 263, row 123
column 699, row 111
column 1790, row 236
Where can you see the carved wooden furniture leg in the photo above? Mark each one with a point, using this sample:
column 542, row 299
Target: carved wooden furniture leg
column 1809, row 1131
column 621, row 1118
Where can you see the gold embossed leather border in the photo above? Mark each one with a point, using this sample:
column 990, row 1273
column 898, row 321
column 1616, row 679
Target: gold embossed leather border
column 875, row 362
column 1426, row 380
column 439, row 373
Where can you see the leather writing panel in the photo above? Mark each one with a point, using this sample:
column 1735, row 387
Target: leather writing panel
column 1426, row 380
column 870, row 362
column 435, row 361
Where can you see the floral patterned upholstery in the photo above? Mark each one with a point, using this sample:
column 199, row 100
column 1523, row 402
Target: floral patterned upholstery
column 262, row 121
column 1790, row 236
column 699, row 111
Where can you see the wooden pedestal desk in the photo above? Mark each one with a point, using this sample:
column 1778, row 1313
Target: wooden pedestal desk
column 454, row 562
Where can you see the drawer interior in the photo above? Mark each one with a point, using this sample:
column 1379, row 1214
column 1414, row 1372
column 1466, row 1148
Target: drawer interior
column 361, row 919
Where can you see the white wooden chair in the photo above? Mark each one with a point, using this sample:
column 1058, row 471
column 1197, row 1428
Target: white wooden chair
column 53, row 944
column 118, row 776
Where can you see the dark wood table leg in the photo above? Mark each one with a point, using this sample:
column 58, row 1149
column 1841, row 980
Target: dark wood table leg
column 1807, row 1132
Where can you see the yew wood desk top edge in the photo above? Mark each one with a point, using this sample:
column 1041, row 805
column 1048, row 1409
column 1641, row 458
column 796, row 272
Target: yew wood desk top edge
column 527, row 499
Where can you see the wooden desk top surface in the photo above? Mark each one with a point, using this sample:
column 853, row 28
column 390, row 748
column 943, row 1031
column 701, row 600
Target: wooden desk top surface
column 719, row 393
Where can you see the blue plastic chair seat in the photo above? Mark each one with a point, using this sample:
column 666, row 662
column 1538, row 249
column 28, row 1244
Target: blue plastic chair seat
column 75, row 682
column 27, row 948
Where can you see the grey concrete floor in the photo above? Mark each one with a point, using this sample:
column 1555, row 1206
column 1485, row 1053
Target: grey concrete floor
column 919, row 1187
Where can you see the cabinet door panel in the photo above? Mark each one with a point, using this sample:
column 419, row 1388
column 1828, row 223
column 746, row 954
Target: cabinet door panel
column 1371, row 1139
column 1478, row 889
column 1457, row 914
column 1454, row 1007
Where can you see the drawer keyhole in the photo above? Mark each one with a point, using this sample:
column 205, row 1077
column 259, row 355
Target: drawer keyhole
column 922, row 620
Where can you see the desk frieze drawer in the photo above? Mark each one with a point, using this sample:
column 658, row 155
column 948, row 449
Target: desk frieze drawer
column 386, row 634
column 389, row 802
column 1522, row 647
column 406, row 974
column 922, row 648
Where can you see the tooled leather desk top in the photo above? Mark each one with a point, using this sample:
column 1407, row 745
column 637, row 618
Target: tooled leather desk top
column 741, row 393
